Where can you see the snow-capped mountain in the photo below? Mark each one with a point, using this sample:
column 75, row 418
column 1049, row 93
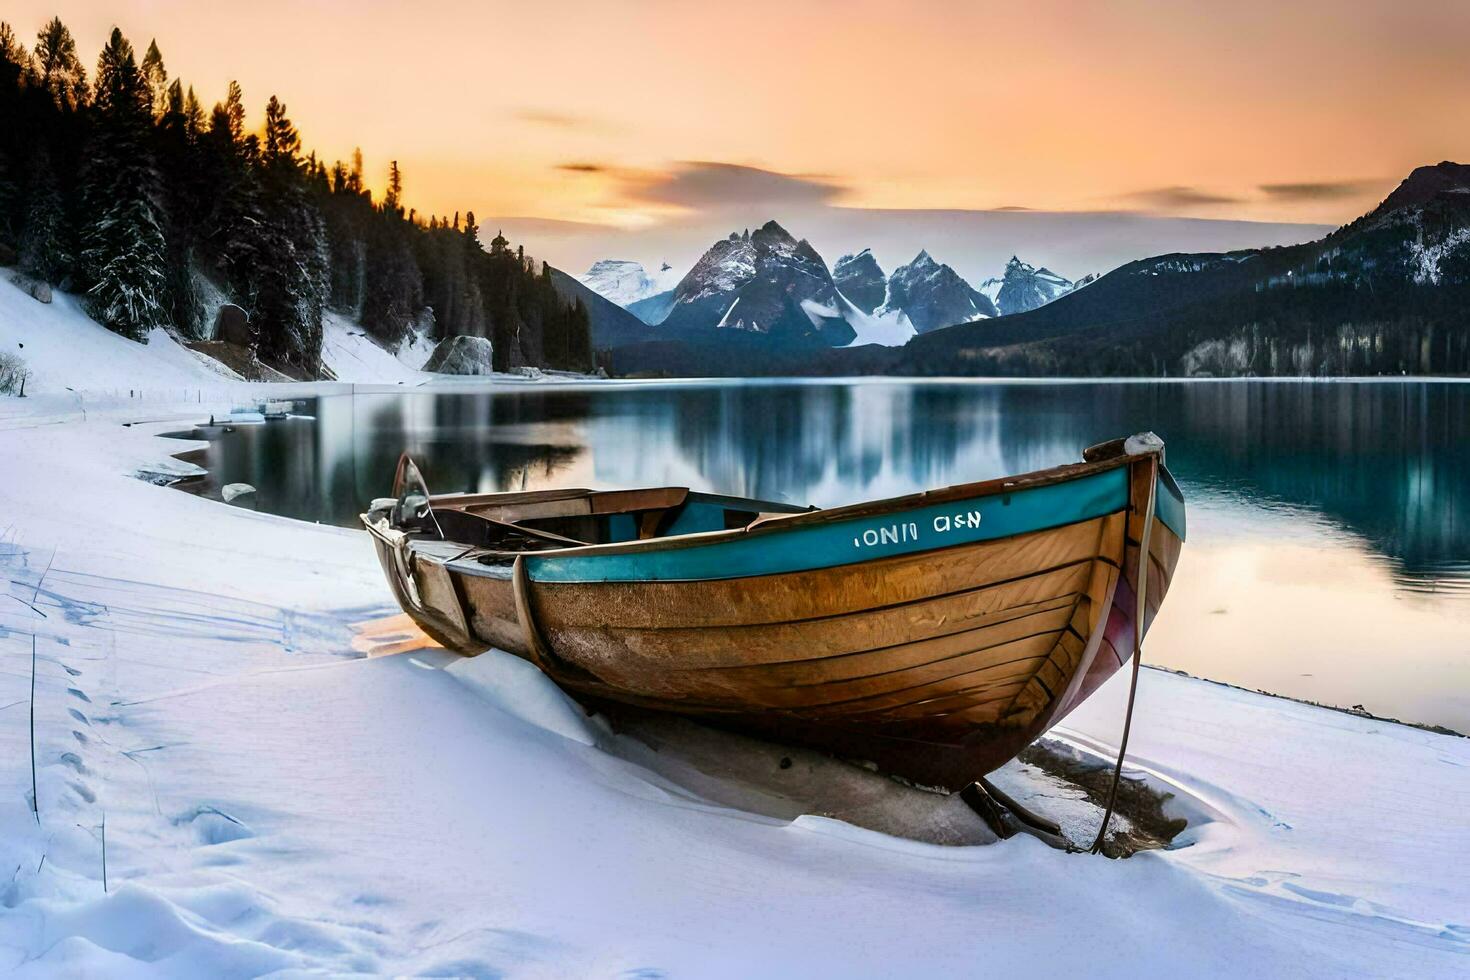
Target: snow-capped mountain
column 764, row 282
column 768, row 282
column 932, row 295
column 859, row 278
column 1024, row 287
column 626, row 282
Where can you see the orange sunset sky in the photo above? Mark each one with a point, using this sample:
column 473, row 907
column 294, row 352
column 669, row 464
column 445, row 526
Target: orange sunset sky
column 637, row 116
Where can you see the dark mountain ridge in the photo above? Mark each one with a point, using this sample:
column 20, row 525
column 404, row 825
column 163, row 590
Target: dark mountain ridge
column 1383, row 294
column 611, row 325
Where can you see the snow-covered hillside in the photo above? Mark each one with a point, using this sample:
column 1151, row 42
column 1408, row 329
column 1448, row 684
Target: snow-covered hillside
column 626, row 282
column 351, row 355
column 64, row 348
column 891, row 328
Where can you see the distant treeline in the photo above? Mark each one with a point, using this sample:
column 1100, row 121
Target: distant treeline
column 123, row 188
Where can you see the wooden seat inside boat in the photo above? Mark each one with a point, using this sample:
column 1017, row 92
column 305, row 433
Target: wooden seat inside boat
column 507, row 523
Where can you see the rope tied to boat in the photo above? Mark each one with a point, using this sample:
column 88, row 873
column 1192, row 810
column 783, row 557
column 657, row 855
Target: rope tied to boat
column 1138, row 620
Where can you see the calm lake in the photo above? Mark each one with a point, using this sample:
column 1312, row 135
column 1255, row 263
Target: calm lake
column 1329, row 522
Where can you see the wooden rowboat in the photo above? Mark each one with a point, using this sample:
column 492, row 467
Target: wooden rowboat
column 933, row 635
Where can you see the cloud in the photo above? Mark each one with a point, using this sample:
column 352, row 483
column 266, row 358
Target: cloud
column 1179, row 196
column 577, row 167
column 550, row 117
column 703, row 185
column 1330, row 190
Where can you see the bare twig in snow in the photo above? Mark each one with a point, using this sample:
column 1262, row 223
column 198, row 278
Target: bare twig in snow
column 35, row 797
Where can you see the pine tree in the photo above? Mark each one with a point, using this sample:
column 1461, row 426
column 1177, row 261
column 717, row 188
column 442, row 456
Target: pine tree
column 234, row 112
column 61, row 74
column 287, row 268
column 12, row 52
column 580, row 356
column 43, row 251
column 9, row 202
column 123, row 250
column 186, row 197
column 228, row 228
column 391, row 202
column 393, row 288
column 156, row 78
column 193, row 115
column 471, row 298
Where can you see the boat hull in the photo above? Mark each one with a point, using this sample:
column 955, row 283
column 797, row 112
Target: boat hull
column 934, row 636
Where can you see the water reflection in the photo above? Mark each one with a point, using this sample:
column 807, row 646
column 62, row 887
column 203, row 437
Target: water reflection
column 1369, row 476
column 1389, row 463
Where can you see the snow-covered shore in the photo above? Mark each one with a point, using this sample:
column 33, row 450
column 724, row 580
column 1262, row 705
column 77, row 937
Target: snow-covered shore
column 274, row 802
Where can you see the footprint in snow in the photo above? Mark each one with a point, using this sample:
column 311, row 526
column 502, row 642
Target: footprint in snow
column 213, row 826
column 1325, row 898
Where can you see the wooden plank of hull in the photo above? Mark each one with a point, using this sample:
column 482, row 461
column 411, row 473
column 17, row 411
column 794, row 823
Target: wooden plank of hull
column 928, row 662
column 826, row 592
column 907, row 651
column 823, row 643
column 491, row 606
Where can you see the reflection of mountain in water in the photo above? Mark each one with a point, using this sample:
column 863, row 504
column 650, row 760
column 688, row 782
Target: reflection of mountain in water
column 1386, row 461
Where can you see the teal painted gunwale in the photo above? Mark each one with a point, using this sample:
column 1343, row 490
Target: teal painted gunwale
column 804, row 547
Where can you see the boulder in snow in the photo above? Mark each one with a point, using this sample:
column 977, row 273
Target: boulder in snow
column 461, row 355
column 34, row 288
column 231, row 491
column 232, row 325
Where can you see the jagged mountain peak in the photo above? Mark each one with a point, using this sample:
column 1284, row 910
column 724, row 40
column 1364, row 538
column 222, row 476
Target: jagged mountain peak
column 764, row 282
column 1024, row 287
column 932, row 295
column 861, row 280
